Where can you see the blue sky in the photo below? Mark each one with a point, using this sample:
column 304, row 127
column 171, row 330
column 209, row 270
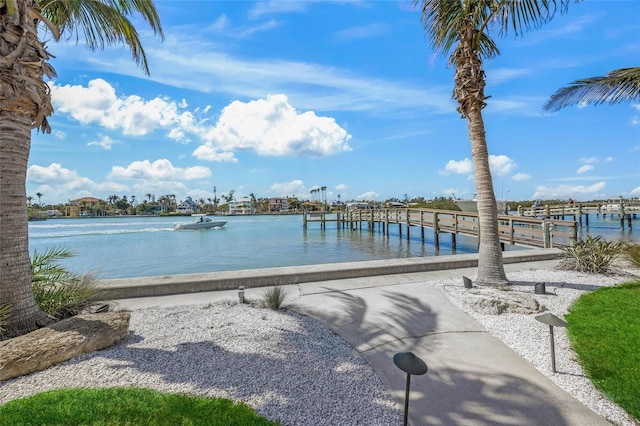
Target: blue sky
column 276, row 98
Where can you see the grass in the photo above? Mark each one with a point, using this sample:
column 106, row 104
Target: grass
column 125, row 406
column 604, row 328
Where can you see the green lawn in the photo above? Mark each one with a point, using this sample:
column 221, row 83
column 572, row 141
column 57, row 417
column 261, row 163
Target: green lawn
column 604, row 328
column 125, row 406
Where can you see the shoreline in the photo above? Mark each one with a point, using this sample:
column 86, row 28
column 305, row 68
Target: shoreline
column 164, row 285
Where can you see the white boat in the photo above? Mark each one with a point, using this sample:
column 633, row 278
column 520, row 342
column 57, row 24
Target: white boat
column 472, row 205
column 201, row 221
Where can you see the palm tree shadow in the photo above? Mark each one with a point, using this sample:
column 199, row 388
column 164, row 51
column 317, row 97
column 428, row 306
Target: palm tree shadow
column 383, row 318
column 295, row 374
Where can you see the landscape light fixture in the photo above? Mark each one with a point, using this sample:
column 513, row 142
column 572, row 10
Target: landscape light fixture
column 410, row 364
column 467, row 282
column 540, row 288
column 552, row 321
column 241, row 294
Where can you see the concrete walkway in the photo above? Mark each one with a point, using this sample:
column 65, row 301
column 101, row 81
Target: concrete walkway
column 473, row 378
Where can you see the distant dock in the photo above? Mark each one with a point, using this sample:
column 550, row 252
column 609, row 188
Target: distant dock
column 514, row 230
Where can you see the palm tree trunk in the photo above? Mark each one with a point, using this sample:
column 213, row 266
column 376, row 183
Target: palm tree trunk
column 490, row 264
column 15, row 265
column 469, row 92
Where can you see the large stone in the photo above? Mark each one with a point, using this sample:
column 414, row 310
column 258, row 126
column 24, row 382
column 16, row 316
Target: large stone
column 495, row 302
column 60, row 342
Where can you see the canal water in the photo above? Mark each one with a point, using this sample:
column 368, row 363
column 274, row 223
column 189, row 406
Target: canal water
column 124, row 247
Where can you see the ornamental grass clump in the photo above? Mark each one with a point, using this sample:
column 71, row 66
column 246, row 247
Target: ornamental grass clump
column 4, row 315
column 57, row 291
column 273, row 297
column 632, row 254
column 594, row 255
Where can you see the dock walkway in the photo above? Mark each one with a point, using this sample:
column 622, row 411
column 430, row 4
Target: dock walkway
column 514, row 230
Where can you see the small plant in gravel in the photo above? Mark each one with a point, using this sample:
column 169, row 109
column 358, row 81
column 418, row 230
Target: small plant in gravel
column 594, row 255
column 632, row 254
column 59, row 292
column 4, row 314
column 273, row 297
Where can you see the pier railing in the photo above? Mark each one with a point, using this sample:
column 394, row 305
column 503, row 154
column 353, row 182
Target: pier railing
column 514, row 230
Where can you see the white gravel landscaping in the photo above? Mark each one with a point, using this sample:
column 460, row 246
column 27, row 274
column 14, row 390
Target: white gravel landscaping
column 290, row 368
column 530, row 338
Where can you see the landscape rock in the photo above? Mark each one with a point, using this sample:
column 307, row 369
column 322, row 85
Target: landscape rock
column 491, row 301
column 60, row 342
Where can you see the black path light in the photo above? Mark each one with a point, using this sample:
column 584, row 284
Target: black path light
column 410, row 364
column 552, row 321
column 467, row 282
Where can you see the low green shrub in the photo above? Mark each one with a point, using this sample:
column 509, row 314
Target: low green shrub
column 594, row 255
column 273, row 297
column 632, row 254
column 57, row 291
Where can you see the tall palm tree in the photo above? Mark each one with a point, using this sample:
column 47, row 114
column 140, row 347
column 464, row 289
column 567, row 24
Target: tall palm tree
column 621, row 85
column 25, row 104
column 460, row 29
column 39, row 195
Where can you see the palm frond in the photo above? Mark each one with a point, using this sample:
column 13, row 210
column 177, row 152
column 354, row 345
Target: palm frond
column 621, row 85
column 104, row 22
column 441, row 20
column 57, row 291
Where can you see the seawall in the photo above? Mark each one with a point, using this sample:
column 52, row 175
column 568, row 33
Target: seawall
column 123, row 288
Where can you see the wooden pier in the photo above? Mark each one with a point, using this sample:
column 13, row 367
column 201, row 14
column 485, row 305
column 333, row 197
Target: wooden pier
column 625, row 212
column 513, row 230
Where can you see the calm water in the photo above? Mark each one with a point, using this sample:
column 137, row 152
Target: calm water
column 148, row 246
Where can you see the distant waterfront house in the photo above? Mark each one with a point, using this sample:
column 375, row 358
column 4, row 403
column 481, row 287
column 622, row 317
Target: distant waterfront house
column 278, row 204
column 188, row 206
column 241, row 206
column 86, row 207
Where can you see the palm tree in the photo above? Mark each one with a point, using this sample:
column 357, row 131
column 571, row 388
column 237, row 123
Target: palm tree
column 25, row 104
column 39, row 195
column 617, row 86
column 460, row 29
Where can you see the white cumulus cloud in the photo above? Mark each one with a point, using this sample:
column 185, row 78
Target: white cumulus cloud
column 161, row 169
column 272, row 127
column 567, row 191
column 585, row 168
column 500, row 165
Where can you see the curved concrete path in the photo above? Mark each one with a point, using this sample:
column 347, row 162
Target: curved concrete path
column 473, row 378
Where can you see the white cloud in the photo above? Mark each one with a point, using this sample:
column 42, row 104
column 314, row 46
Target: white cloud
column 272, row 127
column 585, row 168
column 105, row 142
column 521, row 176
column 500, row 165
column 608, row 159
column 458, row 167
column 362, row 32
column 567, row 191
column 158, row 170
column 341, row 187
column 589, row 160
column 295, row 187
column 635, row 192
column 369, row 195
column 500, row 75
column 59, row 183
column 98, row 104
